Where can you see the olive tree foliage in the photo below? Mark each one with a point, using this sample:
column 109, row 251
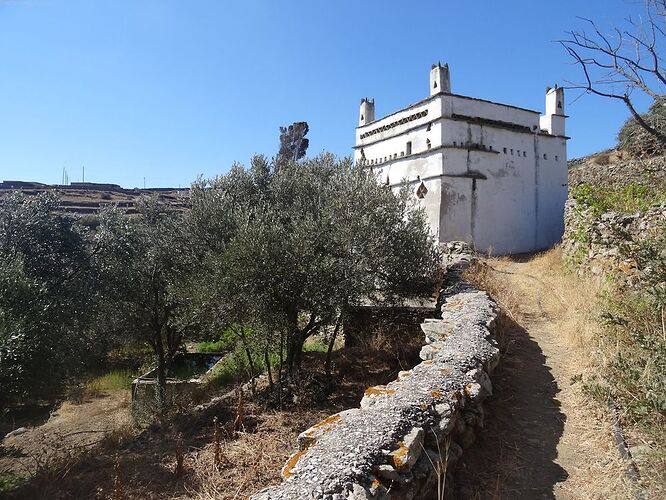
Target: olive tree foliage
column 293, row 245
column 624, row 63
column 47, row 292
column 148, row 266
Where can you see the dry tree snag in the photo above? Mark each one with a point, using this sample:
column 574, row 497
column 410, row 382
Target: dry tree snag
column 217, row 451
column 617, row 64
column 240, row 411
column 180, row 455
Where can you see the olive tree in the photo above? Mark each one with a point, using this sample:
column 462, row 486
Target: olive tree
column 301, row 242
column 148, row 265
column 47, row 292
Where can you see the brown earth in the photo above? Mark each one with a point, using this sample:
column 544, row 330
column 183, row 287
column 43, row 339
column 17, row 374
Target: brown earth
column 70, row 430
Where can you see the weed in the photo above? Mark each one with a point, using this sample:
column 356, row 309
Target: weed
column 118, row 491
column 113, row 381
column 630, row 198
column 315, row 344
column 10, row 482
column 215, row 346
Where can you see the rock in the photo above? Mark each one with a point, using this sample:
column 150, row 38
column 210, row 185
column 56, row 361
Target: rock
column 306, row 438
column 360, row 493
column 637, row 451
column 430, row 351
column 409, row 450
column 16, row 432
column 436, row 329
column 388, row 472
column 481, row 388
column 372, row 393
column 467, row 438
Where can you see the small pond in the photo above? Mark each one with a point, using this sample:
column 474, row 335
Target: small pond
column 187, row 366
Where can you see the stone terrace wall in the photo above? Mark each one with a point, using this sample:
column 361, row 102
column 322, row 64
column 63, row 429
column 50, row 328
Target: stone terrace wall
column 406, row 435
column 593, row 242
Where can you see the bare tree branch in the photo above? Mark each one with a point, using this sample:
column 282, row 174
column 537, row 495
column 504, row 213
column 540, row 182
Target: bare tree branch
column 617, row 64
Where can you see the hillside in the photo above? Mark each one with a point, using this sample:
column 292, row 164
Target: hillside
column 615, row 240
column 614, row 168
column 86, row 198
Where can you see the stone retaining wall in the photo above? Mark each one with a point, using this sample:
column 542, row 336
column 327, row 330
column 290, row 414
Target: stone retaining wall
column 405, row 437
column 603, row 245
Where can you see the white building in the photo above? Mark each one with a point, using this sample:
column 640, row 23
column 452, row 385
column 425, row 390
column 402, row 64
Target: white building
column 491, row 174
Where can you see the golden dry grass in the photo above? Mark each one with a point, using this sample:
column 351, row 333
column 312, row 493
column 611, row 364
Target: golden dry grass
column 559, row 311
column 250, row 461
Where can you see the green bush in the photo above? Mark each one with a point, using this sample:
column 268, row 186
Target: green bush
column 224, row 343
column 633, row 337
column 627, row 199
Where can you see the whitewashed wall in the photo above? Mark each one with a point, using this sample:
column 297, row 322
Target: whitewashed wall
column 499, row 184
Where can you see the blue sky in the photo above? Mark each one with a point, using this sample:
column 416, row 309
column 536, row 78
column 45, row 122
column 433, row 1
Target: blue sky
column 169, row 90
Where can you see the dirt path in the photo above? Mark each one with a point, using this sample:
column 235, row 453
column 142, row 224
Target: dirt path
column 73, row 428
column 543, row 439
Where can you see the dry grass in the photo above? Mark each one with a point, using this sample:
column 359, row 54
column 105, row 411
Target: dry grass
column 175, row 459
column 550, row 329
column 250, row 461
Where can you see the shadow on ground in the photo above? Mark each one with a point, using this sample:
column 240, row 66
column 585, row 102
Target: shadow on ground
column 514, row 455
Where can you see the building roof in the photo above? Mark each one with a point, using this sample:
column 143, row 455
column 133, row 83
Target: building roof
column 430, row 98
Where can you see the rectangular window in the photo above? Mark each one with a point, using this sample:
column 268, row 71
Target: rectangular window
column 408, row 149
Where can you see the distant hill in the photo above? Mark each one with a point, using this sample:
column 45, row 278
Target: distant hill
column 86, row 198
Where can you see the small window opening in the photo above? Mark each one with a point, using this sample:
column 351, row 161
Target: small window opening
column 434, row 85
column 429, row 127
column 387, row 180
column 409, row 147
column 421, row 191
column 525, row 154
column 402, row 153
column 559, row 104
column 556, row 158
column 362, row 154
column 544, row 156
column 511, row 150
column 362, row 117
column 504, row 150
column 428, row 143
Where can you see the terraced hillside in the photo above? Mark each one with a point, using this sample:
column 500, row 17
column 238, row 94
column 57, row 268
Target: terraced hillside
column 88, row 197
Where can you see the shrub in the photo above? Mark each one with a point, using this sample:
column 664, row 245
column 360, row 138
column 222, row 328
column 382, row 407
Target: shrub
column 634, row 139
column 628, row 199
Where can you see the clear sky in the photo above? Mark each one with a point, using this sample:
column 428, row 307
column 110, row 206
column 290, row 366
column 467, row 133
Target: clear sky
column 169, row 90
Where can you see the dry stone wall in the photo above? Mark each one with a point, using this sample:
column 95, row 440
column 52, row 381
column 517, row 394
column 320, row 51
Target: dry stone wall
column 406, row 436
column 603, row 244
